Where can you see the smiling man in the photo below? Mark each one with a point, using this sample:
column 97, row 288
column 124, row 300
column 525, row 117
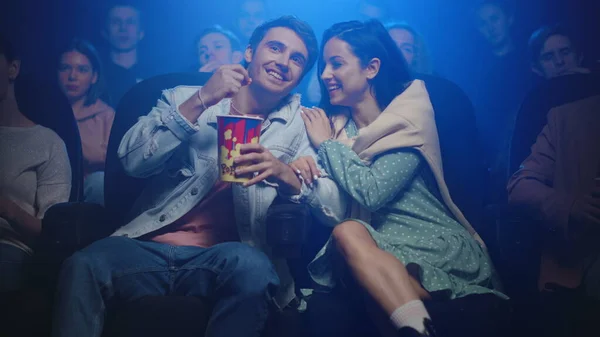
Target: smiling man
column 195, row 234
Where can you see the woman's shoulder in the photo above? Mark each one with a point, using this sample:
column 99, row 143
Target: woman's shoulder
column 49, row 136
column 103, row 107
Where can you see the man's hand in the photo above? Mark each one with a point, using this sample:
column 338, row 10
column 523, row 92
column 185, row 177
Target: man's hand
column 209, row 67
column 226, row 82
column 586, row 211
column 307, row 168
column 318, row 126
column 256, row 158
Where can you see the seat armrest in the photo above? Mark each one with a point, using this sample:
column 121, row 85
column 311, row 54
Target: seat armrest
column 68, row 227
column 287, row 228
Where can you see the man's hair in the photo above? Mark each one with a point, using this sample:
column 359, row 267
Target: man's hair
column 84, row 47
column 233, row 39
column 506, row 7
column 301, row 28
column 539, row 38
column 7, row 49
column 124, row 3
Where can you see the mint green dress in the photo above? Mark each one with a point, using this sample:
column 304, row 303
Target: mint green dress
column 408, row 220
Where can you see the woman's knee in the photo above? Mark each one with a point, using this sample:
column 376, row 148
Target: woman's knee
column 352, row 239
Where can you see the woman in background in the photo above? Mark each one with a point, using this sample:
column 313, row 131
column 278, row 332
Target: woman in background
column 35, row 174
column 80, row 78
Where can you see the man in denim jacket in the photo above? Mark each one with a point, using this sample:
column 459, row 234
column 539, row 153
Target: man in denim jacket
column 185, row 237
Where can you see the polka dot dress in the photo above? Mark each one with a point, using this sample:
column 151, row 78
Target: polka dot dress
column 408, row 220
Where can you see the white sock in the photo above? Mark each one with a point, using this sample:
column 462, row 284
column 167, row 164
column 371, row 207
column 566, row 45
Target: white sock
column 410, row 314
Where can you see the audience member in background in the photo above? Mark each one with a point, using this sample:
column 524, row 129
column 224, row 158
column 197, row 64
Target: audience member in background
column 81, row 79
column 35, row 174
column 252, row 13
column 123, row 32
column 558, row 186
column 412, row 46
column 373, row 9
column 215, row 47
column 553, row 53
column 500, row 86
column 382, row 149
column 557, row 60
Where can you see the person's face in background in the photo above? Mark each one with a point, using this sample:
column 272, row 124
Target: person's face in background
column 277, row 64
column 75, row 75
column 123, row 28
column 369, row 10
column 252, row 14
column 8, row 74
column 557, row 58
column 405, row 42
column 493, row 24
column 215, row 50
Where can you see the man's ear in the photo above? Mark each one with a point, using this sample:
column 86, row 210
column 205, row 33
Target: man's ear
column 236, row 57
column 141, row 35
column 248, row 54
column 373, row 68
column 13, row 70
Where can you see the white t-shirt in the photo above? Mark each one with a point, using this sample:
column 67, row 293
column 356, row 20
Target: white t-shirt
column 35, row 173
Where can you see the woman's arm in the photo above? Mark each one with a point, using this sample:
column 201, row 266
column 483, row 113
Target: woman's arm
column 372, row 186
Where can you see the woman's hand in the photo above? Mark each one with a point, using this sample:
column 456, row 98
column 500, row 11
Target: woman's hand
column 307, row 169
column 318, row 126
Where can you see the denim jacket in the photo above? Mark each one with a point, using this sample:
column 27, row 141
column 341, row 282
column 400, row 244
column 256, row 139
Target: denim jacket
column 181, row 159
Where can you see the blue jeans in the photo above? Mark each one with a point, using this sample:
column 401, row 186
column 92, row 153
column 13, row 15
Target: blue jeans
column 237, row 278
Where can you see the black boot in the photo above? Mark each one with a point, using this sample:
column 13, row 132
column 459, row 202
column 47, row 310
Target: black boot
column 411, row 332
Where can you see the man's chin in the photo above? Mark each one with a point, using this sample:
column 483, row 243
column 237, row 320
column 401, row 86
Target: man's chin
column 124, row 48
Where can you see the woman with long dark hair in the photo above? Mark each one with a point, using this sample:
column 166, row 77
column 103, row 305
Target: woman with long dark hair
column 405, row 240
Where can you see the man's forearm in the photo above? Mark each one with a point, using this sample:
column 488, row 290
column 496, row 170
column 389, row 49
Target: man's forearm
column 23, row 222
column 193, row 107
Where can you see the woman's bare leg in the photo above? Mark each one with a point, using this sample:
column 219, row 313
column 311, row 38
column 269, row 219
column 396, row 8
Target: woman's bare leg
column 381, row 274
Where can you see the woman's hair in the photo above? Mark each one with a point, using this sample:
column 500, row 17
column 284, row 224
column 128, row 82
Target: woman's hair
column 7, row 49
column 84, row 47
column 422, row 60
column 368, row 40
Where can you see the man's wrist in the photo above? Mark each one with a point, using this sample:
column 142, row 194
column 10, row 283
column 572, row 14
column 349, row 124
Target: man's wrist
column 288, row 182
column 193, row 107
